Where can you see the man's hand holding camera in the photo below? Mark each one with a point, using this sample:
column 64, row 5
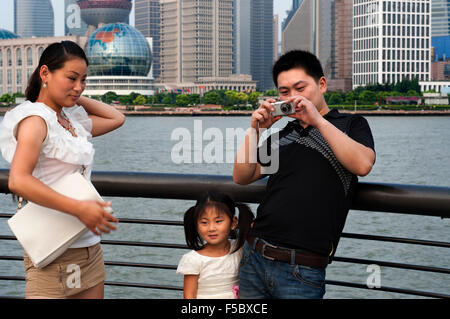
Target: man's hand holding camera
column 262, row 117
column 297, row 107
column 305, row 111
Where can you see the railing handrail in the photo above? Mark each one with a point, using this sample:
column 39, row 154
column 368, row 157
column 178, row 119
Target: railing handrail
column 377, row 197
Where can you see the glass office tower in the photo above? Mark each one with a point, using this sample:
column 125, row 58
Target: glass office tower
column 148, row 22
column 261, row 43
column 440, row 18
column 33, row 18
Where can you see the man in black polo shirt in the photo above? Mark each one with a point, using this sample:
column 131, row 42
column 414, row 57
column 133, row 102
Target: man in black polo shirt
column 300, row 220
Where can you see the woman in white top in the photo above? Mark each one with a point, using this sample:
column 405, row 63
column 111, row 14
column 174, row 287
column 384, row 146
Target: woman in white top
column 46, row 138
column 211, row 269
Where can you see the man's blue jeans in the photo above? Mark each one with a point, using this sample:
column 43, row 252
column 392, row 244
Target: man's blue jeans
column 261, row 278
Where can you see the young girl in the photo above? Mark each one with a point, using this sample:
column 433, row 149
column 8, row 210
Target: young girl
column 211, row 269
column 46, row 138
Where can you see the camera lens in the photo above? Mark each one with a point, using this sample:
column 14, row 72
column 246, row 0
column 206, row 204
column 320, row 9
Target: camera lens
column 285, row 108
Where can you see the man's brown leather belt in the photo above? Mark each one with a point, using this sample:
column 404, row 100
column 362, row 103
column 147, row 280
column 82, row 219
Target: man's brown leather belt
column 272, row 252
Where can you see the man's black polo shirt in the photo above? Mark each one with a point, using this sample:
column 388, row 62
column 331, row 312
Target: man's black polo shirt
column 307, row 201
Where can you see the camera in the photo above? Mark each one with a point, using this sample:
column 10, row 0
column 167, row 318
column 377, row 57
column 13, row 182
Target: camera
column 283, row 108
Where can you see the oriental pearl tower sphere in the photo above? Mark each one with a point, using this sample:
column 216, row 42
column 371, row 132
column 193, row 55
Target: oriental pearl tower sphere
column 99, row 12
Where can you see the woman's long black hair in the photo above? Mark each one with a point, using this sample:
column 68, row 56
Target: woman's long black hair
column 223, row 203
column 54, row 57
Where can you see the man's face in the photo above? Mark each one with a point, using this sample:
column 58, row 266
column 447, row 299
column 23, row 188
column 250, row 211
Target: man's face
column 296, row 82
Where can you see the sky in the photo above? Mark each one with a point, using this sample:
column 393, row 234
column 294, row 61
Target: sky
column 7, row 14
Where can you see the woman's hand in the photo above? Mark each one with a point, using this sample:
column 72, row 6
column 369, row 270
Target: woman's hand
column 105, row 118
column 94, row 216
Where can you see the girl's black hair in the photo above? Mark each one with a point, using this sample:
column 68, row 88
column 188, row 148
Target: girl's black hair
column 54, row 57
column 223, row 203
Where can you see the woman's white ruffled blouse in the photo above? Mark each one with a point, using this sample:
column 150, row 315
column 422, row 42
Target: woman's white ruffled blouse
column 61, row 153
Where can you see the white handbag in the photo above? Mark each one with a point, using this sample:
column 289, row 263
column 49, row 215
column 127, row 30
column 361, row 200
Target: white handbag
column 44, row 233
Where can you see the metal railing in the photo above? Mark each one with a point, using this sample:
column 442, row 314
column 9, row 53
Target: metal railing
column 376, row 197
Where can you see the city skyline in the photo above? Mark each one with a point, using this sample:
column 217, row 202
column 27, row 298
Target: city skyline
column 390, row 41
column 280, row 8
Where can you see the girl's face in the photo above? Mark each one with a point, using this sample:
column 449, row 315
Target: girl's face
column 214, row 226
column 65, row 85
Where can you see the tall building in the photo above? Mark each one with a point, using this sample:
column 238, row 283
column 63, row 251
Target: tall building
column 73, row 24
column 295, row 6
column 440, row 30
column 342, row 41
column 196, row 39
column 441, row 48
column 308, row 27
column 261, row 43
column 440, row 18
column 33, row 18
column 275, row 37
column 148, row 22
column 391, row 41
column 242, row 36
column 98, row 12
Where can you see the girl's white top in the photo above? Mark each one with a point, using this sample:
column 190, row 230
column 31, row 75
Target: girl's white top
column 61, row 153
column 217, row 275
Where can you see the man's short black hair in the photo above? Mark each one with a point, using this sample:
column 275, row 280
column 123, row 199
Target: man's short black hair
column 298, row 59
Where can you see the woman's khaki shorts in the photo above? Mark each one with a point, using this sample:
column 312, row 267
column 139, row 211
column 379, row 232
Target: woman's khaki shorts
column 73, row 272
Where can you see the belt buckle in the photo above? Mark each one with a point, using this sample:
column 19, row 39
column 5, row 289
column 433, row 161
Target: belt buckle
column 263, row 250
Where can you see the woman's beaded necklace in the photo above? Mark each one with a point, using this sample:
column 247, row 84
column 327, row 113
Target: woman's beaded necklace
column 66, row 125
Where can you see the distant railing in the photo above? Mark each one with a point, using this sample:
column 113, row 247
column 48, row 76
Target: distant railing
column 378, row 197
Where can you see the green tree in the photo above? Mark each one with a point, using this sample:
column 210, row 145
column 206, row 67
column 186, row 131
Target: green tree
column 405, row 85
column 152, row 99
column 335, row 98
column 182, row 100
column 212, row 97
column 133, row 96
column 18, row 94
column 96, row 97
column 140, row 100
column 194, row 99
column 231, row 98
column 157, row 98
column 351, row 97
column 109, row 97
column 253, row 98
column 381, row 96
column 412, row 93
column 243, row 98
column 125, row 99
column 395, row 93
column 7, row 98
column 167, row 99
column 367, row 96
column 271, row 93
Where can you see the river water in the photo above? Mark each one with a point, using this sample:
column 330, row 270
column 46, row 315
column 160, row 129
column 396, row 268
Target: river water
column 410, row 150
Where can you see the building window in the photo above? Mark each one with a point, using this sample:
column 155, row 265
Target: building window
column 9, row 77
column 18, row 76
column 9, row 57
column 29, row 73
column 40, row 50
column 19, row 57
column 29, row 57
